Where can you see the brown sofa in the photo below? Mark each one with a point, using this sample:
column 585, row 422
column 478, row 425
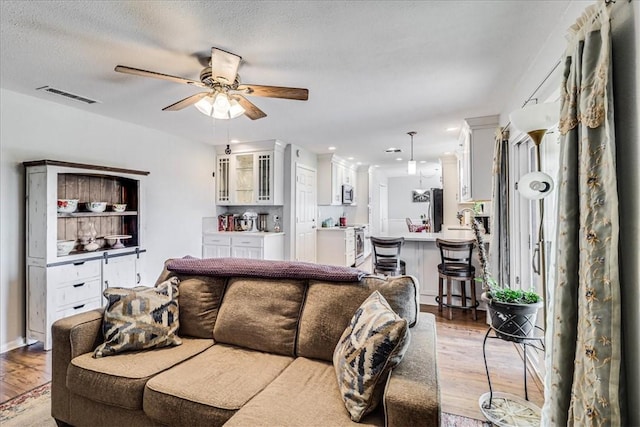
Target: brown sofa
column 255, row 352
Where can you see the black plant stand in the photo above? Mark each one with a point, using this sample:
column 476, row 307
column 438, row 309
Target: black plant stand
column 503, row 409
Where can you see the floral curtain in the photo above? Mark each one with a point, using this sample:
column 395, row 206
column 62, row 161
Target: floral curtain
column 582, row 385
column 498, row 246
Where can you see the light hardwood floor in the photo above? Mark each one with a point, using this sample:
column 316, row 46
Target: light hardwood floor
column 460, row 362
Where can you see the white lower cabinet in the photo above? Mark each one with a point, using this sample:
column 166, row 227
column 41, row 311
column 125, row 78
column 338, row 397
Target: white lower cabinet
column 336, row 246
column 120, row 272
column 62, row 290
column 243, row 245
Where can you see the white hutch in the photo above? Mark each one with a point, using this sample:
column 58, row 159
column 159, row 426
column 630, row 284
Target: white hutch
column 61, row 285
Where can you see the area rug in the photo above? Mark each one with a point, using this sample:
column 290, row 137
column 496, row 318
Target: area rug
column 33, row 409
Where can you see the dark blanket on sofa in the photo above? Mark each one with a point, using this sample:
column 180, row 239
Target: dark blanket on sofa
column 264, row 268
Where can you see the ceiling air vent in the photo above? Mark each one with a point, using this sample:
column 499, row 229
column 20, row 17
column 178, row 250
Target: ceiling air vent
column 68, row 95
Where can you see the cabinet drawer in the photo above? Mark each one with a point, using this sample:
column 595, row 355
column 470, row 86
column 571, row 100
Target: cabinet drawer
column 253, row 242
column 80, row 307
column 73, row 294
column 214, row 239
column 73, row 272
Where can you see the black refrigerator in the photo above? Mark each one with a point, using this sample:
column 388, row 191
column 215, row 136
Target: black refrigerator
column 436, row 210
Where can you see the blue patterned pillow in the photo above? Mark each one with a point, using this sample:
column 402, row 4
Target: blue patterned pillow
column 140, row 318
column 372, row 345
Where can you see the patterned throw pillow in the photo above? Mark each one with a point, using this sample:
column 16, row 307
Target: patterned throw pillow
column 140, row 318
column 372, row 345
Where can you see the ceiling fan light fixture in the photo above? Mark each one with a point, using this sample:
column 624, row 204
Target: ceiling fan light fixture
column 235, row 109
column 205, row 105
column 220, row 107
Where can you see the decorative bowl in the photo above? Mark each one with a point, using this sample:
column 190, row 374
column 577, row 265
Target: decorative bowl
column 119, row 207
column 65, row 246
column 96, row 206
column 67, row 205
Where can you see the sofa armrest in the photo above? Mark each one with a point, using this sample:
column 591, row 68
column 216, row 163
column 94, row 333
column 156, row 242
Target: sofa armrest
column 72, row 336
column 412, row 393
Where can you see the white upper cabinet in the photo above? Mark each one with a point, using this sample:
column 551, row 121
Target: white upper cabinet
column 250, row 174
column 475, row 157
column 333, row 173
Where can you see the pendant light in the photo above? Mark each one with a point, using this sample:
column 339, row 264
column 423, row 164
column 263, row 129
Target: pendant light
column 411, row 166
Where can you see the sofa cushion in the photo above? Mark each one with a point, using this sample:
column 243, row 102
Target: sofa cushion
column 261, row 314
column 211, row 386
column 329, row 307
column 372, row 345
column 140, row 318
column 305, row 394
column 199, row 301
column 119, row 380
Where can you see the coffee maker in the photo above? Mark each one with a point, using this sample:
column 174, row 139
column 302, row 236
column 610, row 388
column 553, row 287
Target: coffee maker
column 262, row 221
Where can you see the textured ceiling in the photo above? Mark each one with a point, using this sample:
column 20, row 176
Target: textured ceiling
column 374, row 70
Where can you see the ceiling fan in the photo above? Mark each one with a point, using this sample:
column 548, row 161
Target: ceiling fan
column 225, row 95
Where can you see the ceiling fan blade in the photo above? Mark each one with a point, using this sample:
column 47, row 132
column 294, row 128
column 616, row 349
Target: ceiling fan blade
column 184, row 103
column 224, row 65
column 274, row 91
column 250, row 110
column 145, row 73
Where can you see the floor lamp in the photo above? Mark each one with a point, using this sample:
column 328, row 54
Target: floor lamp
column 535, row 120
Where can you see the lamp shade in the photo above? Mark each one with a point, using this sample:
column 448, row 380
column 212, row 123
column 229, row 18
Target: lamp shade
column 535, row 185
column 411, row 167
column 536, row 117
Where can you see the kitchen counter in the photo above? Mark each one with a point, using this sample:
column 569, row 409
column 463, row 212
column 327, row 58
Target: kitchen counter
column 248, row 233
column 422, row 257
column 456, row 234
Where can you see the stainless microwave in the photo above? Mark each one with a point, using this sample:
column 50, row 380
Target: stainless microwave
column 347, row 194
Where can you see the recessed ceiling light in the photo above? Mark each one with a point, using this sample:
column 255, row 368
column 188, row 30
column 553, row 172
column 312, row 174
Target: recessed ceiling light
column 451, row 129
column 393, row 150
column 376, row 166
column 349, row 158
column 448, row 152
column 331, row 148
column 399, row 159
column 234, row 141
column 358, row 163
column 423, row 161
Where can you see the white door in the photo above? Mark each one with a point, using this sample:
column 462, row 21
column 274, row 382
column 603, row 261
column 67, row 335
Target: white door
column 305, row 224
column 384, row 208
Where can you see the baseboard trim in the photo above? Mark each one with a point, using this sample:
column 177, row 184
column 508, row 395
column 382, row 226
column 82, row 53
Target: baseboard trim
column 17, row 343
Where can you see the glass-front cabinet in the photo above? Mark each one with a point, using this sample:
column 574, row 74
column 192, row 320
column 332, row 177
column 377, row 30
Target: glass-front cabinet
column 251, row 177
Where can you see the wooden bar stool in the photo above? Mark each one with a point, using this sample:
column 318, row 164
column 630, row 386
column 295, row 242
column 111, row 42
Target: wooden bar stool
column 386, row 256
column 455, row 256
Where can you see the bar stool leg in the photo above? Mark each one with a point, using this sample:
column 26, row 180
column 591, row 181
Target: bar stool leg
column 473, row 300
column 440, row 301
column 449, row 286
column 463, row 292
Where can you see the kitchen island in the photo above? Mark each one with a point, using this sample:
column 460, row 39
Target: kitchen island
column 422, row 257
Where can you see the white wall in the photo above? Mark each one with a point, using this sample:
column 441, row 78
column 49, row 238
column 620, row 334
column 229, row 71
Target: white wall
column 179, row 189
column 401, row 205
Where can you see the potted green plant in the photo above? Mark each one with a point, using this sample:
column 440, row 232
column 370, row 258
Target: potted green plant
column 513, row 312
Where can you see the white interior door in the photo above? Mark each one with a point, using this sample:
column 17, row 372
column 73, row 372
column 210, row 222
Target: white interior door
column 384, row 208
column 305, row 224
